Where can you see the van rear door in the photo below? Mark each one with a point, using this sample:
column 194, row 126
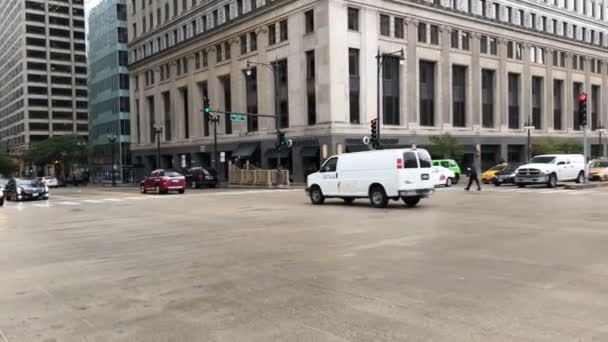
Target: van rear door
column 409, row 176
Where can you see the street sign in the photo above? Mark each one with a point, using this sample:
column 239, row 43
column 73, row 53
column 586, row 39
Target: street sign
column 183, row 161
column 222, row 157
column 238, row 117
column 202, row 148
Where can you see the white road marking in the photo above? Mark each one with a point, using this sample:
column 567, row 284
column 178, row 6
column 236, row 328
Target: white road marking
column 67, row 203
column 65, row 197
column 3, row 336
column 92, row 201
column 113, row 200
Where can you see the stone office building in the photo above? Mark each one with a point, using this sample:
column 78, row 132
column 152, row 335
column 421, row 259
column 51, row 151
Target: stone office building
column 480, row 70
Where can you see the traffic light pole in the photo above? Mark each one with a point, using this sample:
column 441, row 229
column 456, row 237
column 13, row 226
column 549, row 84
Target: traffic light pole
column 215, row 119
column 586, row 153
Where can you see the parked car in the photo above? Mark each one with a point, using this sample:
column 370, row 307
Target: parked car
column 378, row 175
column 163, row 181
column 21, row 189
column 51, row 182
column 198, row 177
column 488, row 175
column 598, row 170
column 442, row 176
column 551, row 168
column 450, row 164
column 506, row 175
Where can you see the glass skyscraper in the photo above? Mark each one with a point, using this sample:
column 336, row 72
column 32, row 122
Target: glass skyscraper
column 109, row 127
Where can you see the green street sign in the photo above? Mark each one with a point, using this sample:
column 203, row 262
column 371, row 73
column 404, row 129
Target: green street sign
column 238, row 117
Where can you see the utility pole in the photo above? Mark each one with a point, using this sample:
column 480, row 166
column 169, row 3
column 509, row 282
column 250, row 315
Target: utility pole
column 215, row 119
column 158, row 130
column 582, row 112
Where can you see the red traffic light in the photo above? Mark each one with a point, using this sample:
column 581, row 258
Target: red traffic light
column 373, row 121
column 582, row 97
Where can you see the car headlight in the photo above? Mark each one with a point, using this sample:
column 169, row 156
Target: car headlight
column 19, row 190
column 46, row 188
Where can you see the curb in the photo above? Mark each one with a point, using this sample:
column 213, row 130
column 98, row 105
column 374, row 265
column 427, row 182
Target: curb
column 586, row 186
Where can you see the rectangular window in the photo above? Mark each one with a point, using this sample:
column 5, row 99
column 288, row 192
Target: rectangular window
column 555, row 58
column 227, row 51
column 152, row 118
column 459, row 95
column 353, row 19
column 226, row 13
column 487, row 97
column 558, row 95
column 284, row 33
column 390, row 90
column 251, row 87
column 218, row 52
column 311, row 98
column 227, row 92
column 466, row 38
column 253, row 41
column 513, row 86
column 353, row 73
column 272, row 34
column 493, row 47
column 309, row 21
column 484, row 5
column 454, row 39
column 595, row 106
column 518, row 51
column 483, row 44
column 421, row 32
column 581, row 63
column 399, row 28
column 385, row 21
column 427, row 93
column 510, row 48
column 283, row 94
column 562, row 59
column 577, row 88
column 434, row 34
column 537, row 100
column 243, row 44
column 167, row 108
column 205, row 58
column 496, row 11
column 509, row 15
column 197, row 60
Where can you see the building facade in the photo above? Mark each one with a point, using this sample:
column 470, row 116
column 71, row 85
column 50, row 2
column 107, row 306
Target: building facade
column 109, row 105
column 479, row 70
column 43, row 76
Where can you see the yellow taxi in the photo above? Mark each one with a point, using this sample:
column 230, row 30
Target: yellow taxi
column 488, row 175
column 598, row 170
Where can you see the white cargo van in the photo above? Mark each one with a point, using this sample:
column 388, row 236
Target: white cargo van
column 378, row 175
column 550, row 169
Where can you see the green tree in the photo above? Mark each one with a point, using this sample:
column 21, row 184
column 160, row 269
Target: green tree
column 64, row 150
column 8, row 164
column 445, row 146
column 553, row 146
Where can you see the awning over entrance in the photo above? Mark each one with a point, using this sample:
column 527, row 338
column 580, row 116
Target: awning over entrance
column 274, row 153
column 245, row 150
column 310, row 151
column 356, row 148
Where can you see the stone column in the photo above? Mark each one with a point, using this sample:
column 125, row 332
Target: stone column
column 445, row 93
column 547, row 119
column 413, row 76
column 194, row 102
column 176, row 120
column 525, row 89
column 473, row 116
column 501, row 93
column 567, row 119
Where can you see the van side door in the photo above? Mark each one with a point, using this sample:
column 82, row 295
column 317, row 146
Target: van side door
column 563, row 169
column 329, row 177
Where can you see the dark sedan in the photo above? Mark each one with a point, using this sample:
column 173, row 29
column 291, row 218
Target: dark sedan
column 198, row 177
column 506, row 175
column 21, row 189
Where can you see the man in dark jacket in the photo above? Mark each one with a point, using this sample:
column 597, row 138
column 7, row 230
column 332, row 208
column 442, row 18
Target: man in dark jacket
column 472, row 174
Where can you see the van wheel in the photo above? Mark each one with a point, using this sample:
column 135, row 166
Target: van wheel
column 378, row 197
column 552, row 183
column 519, row 185
column 581, row 178
column 449, row 182
column 348, row 200
column 316, row 195
column 411, row 201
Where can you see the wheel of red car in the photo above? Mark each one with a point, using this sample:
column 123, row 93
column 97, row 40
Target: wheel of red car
column 181, row 191
column 142, row 188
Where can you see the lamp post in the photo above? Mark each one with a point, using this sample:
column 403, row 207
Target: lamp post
column 528, row 126
column 380, row 62
column 274, row 69
column 158, row 130
column 112, row 140
column 601, row 130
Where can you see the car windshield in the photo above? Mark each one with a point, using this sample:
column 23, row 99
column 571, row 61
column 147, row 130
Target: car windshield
column 511, row 167
column 29, row 182
column 497, row 167
column 542, row 160
column 600, row 164
column 172, row 174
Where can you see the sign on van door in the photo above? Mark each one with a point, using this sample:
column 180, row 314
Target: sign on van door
column 329, row 184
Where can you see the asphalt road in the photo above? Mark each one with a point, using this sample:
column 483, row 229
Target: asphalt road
column 234, row 265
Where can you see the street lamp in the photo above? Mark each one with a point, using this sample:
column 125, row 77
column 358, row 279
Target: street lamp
column 529, row 127
column 158, row 130
column 380, row 62
column 112, row 140
column 601, row 130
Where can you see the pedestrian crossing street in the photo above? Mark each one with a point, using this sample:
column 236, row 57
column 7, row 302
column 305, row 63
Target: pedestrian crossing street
column 534, row 190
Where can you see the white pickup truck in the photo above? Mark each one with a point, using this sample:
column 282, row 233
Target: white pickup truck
column 550, row 169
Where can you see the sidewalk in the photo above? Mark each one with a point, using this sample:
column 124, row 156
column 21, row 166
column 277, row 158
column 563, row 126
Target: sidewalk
column 589, row 185
column 222, row 186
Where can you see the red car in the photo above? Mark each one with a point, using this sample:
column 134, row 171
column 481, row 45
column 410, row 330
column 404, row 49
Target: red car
column 161, row 181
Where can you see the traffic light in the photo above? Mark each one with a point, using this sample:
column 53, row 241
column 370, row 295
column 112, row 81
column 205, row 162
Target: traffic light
column 281, row 141
column 582, row 108
column 374, row 133
column 206, row 105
